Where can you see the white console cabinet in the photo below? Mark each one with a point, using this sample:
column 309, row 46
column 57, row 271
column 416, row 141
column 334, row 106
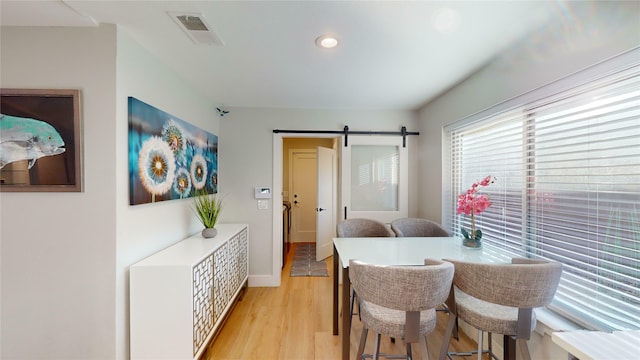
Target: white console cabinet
column 180, row 295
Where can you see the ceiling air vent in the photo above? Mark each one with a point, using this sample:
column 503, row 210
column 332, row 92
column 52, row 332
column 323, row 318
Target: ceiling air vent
column 196, row 28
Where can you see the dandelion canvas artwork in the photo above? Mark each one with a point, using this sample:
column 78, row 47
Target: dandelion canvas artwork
column 168, row 158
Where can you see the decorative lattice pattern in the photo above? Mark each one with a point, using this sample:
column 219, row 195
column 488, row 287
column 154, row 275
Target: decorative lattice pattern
column 215, row 281
column 220, row 280
column 202, row 302
column 234, row 251
column 242, row 271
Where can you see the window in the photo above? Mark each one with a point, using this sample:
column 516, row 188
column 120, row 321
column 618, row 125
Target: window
column 377, row 183
column 567, row 189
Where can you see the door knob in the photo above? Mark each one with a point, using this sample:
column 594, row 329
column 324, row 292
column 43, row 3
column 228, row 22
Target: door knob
column 320, row 209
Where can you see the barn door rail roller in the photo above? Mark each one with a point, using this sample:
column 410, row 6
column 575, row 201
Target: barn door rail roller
column 346, row 132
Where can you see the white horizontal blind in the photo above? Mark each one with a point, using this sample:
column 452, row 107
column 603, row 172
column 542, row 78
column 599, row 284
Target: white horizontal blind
column 492, row 147
column 567, row 189
column 583, row 197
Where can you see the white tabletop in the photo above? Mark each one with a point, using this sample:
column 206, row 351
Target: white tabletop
column 596, row 345
column 412, row 251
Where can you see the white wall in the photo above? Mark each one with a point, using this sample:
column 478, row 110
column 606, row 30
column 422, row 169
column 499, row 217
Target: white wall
column 586, row 34
column 58, row 250
column 65, row 256
column 145, row 229
column 246, row 161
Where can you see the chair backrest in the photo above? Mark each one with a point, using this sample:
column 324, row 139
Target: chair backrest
column 525, row 283
column 414, row 227
column 405, row 288
column 363, row 228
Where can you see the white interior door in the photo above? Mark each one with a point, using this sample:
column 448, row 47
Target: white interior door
column 327, row 200
column 303, row 195
column 374, row 178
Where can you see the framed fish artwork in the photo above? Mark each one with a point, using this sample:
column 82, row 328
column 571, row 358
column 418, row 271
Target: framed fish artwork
column 40, row 140
column 169, row 158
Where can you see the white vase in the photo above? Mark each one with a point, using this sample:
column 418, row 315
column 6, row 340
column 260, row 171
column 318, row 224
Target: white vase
column 209, row 233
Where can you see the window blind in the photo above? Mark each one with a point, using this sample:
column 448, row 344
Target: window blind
column 583, row 196
column 491, row 148
column 567, row 189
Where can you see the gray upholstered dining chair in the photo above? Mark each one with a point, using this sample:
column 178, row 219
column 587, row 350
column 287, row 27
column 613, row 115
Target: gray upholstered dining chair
column 362, row 228
column 499, row 298
column 415, row 227
column 399, row 301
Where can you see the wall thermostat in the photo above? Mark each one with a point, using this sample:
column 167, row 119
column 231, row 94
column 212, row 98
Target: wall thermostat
column 263, row 192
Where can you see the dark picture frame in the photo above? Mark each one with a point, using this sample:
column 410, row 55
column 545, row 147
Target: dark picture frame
column 40, row 140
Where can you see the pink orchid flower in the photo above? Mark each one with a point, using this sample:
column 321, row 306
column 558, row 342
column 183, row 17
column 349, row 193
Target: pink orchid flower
column 471, row 203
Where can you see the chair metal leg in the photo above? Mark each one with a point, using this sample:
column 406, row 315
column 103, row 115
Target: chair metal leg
column 363, row 341
column 426, row 347
column 490, row 342
column 376, row 350
column 351, row 306
column 447, row 337
column 479, row 344
column 353, row 299
column 455, row 330
column 479, row 351
column 409, row 356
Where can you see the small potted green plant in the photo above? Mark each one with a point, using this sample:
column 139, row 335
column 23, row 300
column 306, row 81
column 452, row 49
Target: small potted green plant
column 207, row 208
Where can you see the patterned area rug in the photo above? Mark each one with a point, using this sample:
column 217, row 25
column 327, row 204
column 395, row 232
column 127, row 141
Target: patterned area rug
column 305, row 264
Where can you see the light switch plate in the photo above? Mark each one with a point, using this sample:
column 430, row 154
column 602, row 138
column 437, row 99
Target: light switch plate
column 263, row 204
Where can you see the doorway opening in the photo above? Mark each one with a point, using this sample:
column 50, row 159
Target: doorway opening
column 299, row 184
column 373, row 178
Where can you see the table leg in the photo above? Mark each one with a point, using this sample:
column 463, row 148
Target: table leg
column 509, row 347
column 346, row 315
column 335, row 290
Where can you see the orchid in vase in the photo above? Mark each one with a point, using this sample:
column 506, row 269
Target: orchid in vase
column 472, row 203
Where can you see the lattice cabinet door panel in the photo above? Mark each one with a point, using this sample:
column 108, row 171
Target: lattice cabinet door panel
column 179, row 296
column 234, row 257
column 203, row 319
column 239, row 261
column 220, row 280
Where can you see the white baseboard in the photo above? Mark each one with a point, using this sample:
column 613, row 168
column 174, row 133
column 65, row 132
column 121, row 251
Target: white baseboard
column 264, row 280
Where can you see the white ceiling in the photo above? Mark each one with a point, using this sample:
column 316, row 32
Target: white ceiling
column 391, row 56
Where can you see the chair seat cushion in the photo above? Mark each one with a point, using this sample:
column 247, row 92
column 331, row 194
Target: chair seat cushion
column 390, row 322
column 486, row 316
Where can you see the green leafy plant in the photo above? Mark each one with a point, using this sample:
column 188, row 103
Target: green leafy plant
column 207, row 207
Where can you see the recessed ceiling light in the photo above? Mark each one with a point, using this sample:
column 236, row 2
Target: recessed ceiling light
column 327, row 41
column 445, row 20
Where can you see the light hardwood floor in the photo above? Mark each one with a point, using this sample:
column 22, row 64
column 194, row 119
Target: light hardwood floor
column 293, row 321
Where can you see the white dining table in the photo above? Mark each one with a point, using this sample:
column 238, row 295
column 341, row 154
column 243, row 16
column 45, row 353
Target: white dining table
column 397, row 251
column 598, row 345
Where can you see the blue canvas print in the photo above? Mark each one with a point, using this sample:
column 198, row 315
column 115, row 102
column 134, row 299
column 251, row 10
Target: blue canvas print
column 168, row 158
